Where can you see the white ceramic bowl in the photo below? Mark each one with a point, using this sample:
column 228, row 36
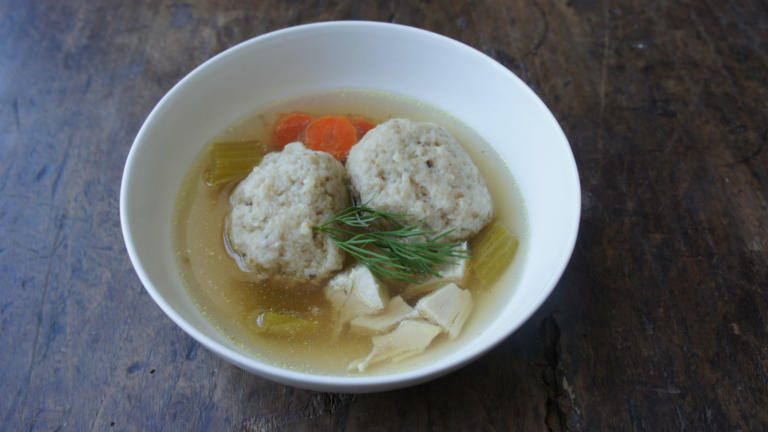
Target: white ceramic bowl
column 306, row 59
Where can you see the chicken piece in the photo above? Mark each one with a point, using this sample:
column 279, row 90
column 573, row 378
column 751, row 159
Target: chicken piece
column 449, row 272
column 448, row 307
column 355, row 293
column 396, row 311
column 411, row 337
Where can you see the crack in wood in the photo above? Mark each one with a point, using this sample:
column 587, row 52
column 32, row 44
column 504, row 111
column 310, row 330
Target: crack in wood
column 561, row 413
column 549, row 333
column 319, row 405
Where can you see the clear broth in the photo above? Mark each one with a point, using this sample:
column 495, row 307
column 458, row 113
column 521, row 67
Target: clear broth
column 226, row 295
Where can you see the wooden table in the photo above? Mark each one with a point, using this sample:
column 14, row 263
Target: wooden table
column 659, row 323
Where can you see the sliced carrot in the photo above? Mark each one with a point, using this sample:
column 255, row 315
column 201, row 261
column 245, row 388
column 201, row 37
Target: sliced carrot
column 331, row 134
column 290, row 127
column 361, row 124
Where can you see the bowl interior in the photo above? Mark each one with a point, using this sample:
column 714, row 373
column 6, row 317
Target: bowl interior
column 439, row 71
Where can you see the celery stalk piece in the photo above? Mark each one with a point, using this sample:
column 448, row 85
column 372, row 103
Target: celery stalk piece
column 492, row 252
column 278, row 324
column 231, row 161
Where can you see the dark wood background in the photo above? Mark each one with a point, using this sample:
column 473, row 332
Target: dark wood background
column 659, row 323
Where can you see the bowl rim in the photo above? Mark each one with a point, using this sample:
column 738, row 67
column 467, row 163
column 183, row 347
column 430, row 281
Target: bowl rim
column 313, row 381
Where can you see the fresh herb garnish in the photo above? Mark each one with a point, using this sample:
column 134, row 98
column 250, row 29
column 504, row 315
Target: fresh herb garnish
column 389, row 248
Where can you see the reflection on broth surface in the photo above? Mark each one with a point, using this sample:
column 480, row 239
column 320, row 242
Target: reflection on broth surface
column 231, row 298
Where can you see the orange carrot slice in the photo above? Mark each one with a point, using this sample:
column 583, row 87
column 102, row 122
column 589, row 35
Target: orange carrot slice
column 331, row 134
column 290, row 127
column 361, row 124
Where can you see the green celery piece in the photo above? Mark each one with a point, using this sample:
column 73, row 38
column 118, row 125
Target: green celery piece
column 231, row 161
column 278, row 324
column 492, row 252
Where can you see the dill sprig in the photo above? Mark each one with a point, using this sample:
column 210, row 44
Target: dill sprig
column 389, row 248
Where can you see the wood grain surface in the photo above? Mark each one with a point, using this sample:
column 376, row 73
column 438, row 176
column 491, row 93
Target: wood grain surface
column 659, row 323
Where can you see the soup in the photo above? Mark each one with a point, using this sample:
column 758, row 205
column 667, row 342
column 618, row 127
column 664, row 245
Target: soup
column 228, row 296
